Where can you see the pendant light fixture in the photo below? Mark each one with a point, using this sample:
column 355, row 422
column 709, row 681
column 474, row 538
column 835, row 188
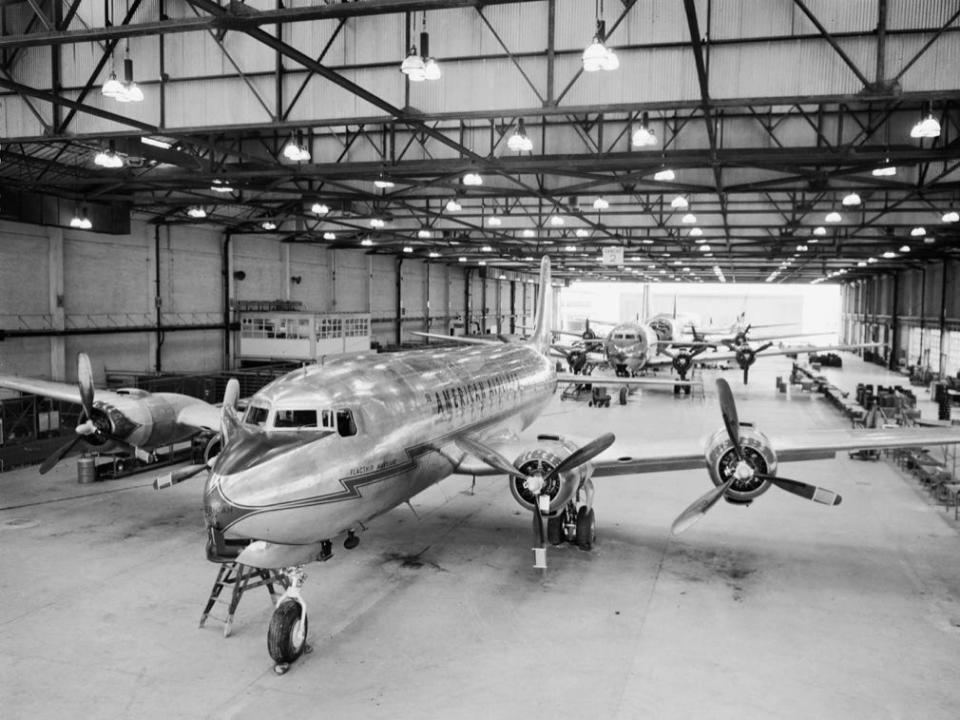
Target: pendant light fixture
column 295, row 150
column 420, row 66
column 519, row 141
column 928, row 127
column 644, row 136
column 598, row 56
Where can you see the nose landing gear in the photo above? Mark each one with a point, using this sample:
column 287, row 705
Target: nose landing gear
column 287, row 636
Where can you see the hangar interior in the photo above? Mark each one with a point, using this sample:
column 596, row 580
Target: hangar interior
column 200, row 188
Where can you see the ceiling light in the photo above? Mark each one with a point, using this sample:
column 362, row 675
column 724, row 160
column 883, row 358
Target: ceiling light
column 696, row 232
column 889, row 254
column 494, row 221
column 705, row 248
column 407, row 249
column 851, row 199
column 597, row 56
column 295, row 150
column 571, row 248
column 871, row 260
column 862, row 263
column 601, row 203
column 131, row 91
column 81, row 221
column 904, row 248
column 376, row 223
column 918, row 232
column 819, row 230
column 801, row 248
column 582, row 232
column 329, row 236
column 926, row 128
column 431, row 70
column 413, row 66
column 196, row 212
column 950, row 216
column 688, row 219
column 318, row 208
column 556, row 220
column 519, row 141
column 268, row 225
column 461, row 259
column 833, row 217
column 644, row 136
column 366, row 242
column 108, row 158
column 680, row 202
column 482, row 262
column 220, row 186
column 423, row 233
column 667, row 175
column 885, row 171
column 383, row 183
column 112, row 87
column 473, row 179
column 453, row 206
column 528, row 233
column 156, row 142
column 434, row 254
column 486, row 248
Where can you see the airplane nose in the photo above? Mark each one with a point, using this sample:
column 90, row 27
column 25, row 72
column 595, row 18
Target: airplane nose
column 218, row 511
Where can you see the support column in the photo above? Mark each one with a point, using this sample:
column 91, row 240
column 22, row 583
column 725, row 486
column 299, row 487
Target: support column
column 58, row 345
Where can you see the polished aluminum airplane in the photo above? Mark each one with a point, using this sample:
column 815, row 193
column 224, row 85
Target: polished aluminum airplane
column 127, row 419
column 323, row 450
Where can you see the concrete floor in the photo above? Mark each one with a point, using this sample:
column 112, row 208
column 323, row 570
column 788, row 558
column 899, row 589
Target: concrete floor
column 786, row 609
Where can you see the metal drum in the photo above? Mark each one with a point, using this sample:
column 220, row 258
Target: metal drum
column 86, row 470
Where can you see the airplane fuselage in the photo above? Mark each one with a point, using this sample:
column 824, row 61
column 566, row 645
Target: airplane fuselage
column 384, row 429
column 630, row 346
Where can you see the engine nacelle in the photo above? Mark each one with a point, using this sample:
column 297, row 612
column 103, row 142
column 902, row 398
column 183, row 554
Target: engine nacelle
column 539, row 461
column 722, row 461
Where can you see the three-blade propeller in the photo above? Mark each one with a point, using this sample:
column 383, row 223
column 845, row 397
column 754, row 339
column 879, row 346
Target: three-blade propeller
column 743, row 471
column 88, row 427
column 535, row 483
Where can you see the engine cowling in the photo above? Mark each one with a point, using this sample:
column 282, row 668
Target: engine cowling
column 722, row 461
column 540, row 460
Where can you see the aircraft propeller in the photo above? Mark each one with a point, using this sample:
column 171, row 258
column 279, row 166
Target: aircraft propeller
column 747, row 355
column 89, row 426
column 535, row 483
column 743, row 471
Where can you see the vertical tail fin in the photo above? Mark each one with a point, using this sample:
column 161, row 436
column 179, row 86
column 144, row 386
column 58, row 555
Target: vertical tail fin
column 543, row 322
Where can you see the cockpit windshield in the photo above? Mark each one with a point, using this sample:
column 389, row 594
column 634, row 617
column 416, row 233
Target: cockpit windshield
column 256, row 415
column 295, row 419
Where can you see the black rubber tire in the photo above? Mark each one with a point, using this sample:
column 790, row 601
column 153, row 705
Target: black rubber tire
column 286, row 641
column 687, row 389
column 555, row 530
column 586, row 528
column 623, row 396
column 676, row 389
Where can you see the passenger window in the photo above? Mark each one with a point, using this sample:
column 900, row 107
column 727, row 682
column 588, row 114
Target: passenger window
column 256, row 415
column 327, row 418
column 345, row 424
column 295, row 419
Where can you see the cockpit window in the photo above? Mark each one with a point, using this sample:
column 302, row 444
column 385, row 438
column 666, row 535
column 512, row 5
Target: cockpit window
column 345, row 423
column 256, row 415
column 295, row 419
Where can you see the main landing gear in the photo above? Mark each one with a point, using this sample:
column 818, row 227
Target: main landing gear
column 577, row 522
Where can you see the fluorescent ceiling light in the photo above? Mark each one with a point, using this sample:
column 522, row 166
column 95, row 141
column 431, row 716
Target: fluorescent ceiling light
column 156, row 142
column 885, row 171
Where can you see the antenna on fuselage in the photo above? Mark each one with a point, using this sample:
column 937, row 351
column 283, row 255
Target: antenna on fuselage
column 542, row 325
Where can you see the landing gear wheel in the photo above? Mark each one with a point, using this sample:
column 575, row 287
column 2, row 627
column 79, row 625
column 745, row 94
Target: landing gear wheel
column 687, row 389
column 623, row 396
column 287, row 636
column 555, row 530
column 586, row 528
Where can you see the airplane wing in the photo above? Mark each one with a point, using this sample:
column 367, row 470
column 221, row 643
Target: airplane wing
column 459, row 338
column 625, row 457
column 200, row 415
column 822, row 348
column 611, row 380
column 68, row 392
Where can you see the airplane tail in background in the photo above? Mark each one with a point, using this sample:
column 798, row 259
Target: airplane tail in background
column 542, row 326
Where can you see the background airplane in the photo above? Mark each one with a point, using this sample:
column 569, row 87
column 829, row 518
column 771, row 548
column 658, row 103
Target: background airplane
column 325, row 449
column 126, row 419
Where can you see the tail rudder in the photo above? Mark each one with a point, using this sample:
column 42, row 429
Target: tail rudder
column 542, row 327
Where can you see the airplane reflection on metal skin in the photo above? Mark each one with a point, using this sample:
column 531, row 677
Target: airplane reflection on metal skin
column 325, row 449
column 127, row 419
